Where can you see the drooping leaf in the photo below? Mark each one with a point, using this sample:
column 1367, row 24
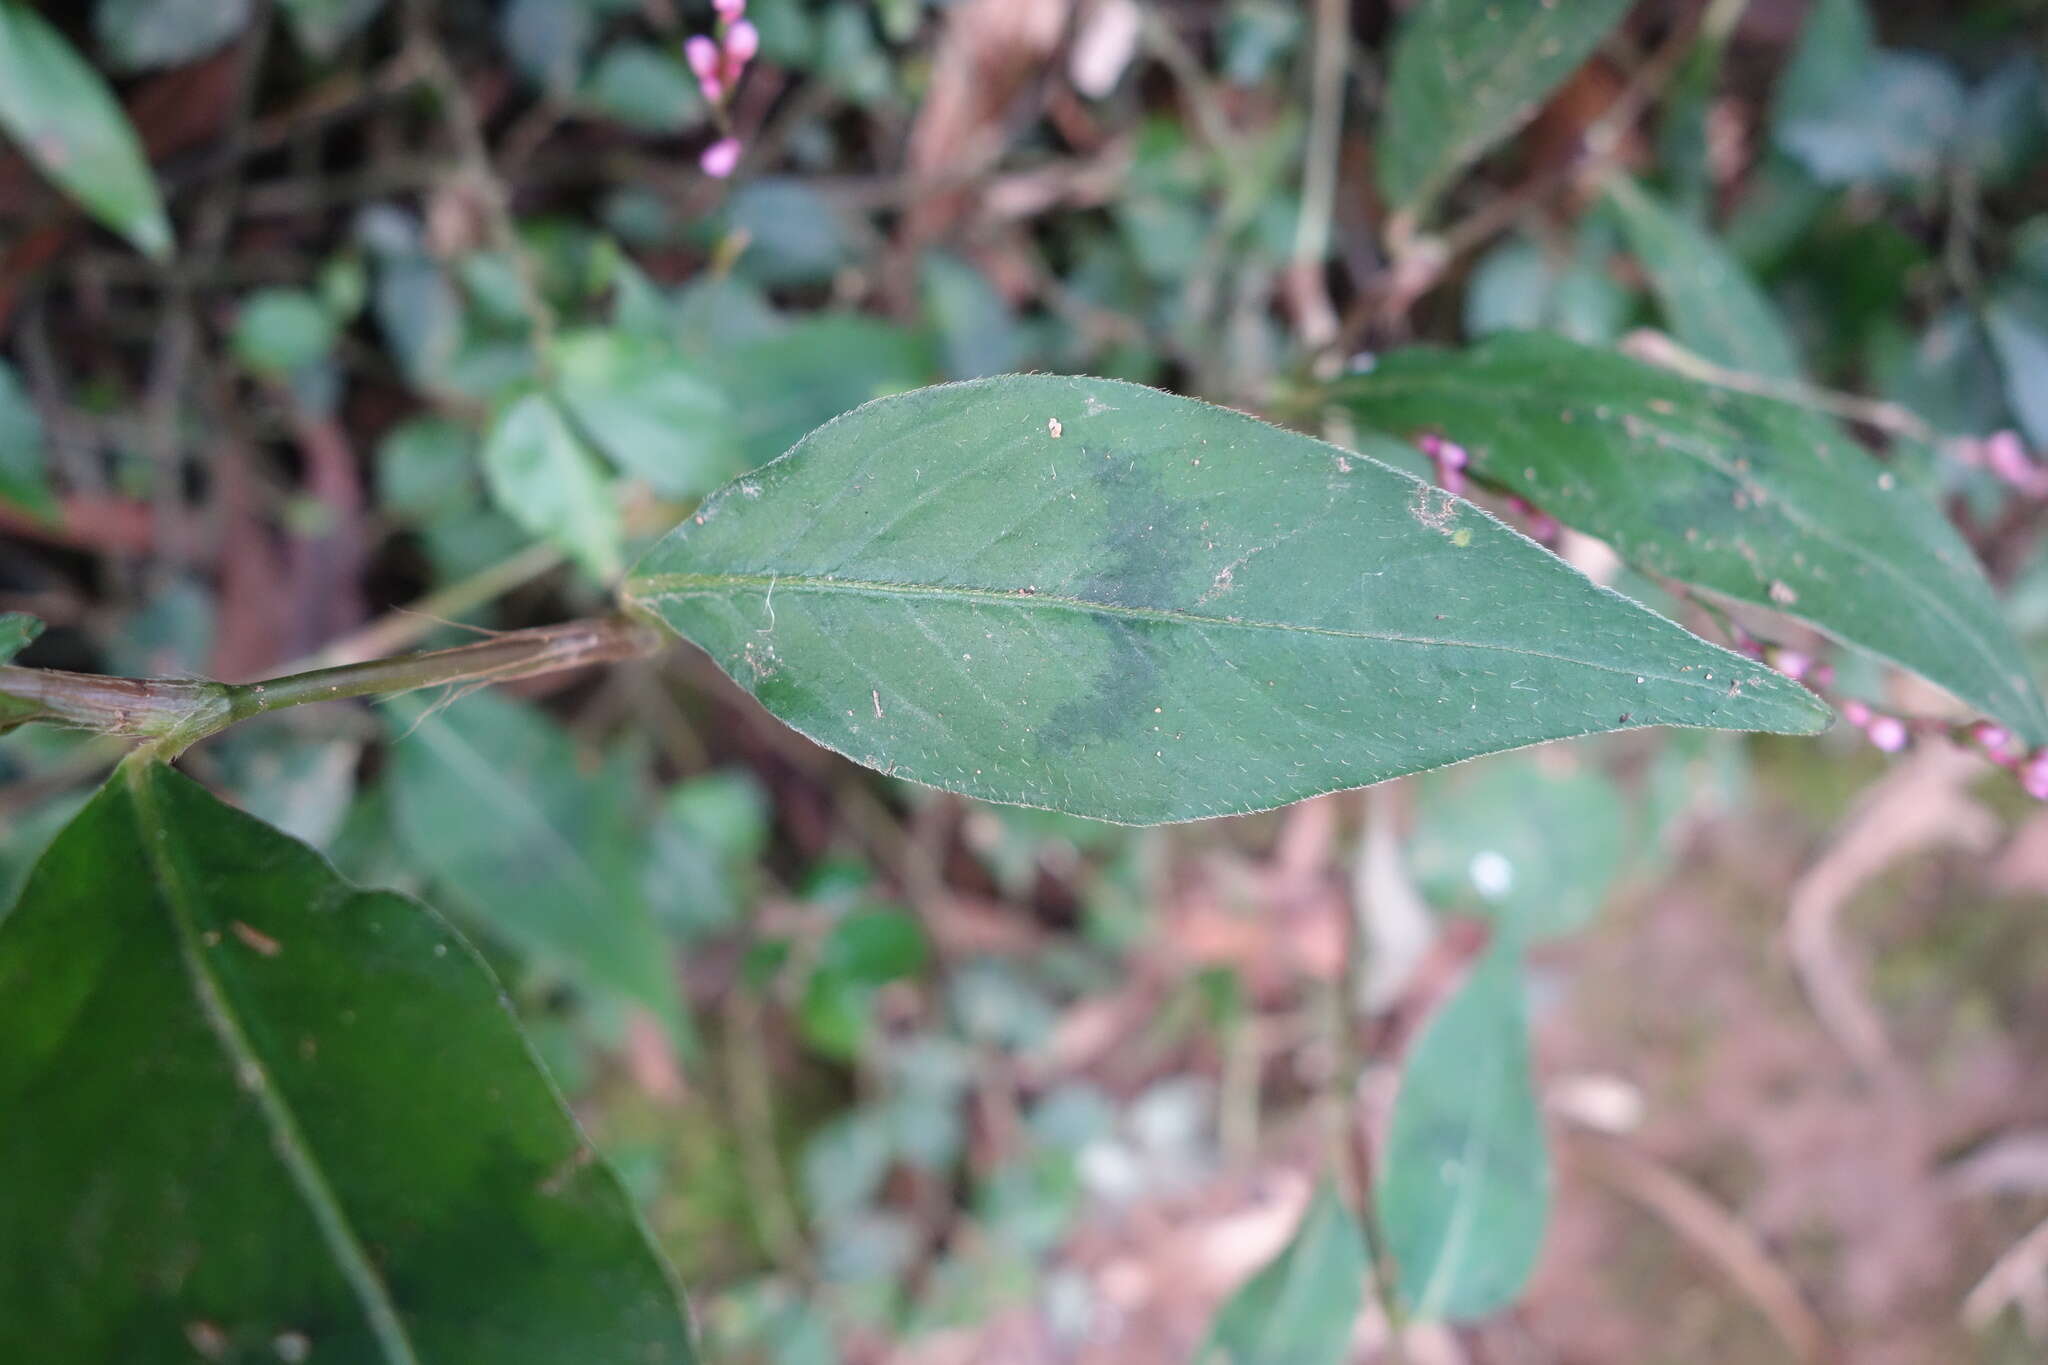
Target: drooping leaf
column 1102, row 599
column 1712, row 305
column 1746, row 497
column 344, row 1150
column 139, row 34
column 1299, row 1309
column 1532, row 850
column 22, row 480
column 1466, row 73
column 488, row 796
column 1464, row 1190
column 63, row 117
column 543, row 475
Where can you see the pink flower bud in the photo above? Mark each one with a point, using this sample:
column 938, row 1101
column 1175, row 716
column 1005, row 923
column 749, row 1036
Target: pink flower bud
column 1887, row 733
column 729, row 10
column 741, row 44
column 1995, row 740
column 1856, row 713
column 2034, row 775
column 721, row 158
column 702, row 54
column 1794, row 664
column 2008, row 459
column 1823, row 675
column 1544, row 528
column 1452, row 477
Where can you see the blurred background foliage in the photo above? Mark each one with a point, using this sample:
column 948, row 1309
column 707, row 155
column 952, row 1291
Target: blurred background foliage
column 441, row 320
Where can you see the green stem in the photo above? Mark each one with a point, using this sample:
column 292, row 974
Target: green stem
column 176, row 713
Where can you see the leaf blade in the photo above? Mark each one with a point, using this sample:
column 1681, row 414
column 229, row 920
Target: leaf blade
column 1746, row 497
column 1466, row 73
column 351, row 1151
column 66, row 120
column 1177, row 610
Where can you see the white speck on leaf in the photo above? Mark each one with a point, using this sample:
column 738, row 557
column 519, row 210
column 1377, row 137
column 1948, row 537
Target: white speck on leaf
column 1052, row 424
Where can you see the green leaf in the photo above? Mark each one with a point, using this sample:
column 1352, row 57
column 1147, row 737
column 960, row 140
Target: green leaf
column 1900, row 123
column 282, row 332
column 544, row 476
column 1746, row 497
column 1299, row 1309
column 1115, row 602
column 22, row 481
column 1464, row 1191
column 875, row 947
column 139, row 34
column 652, row 411
column 322, row 26
column 1837, row 47
column 488, row 796
column 17, row 631
column 644, row 87
column 66, row 121
column 1465, row 74
column 344, row 1150
column 2016, row 320
column 1709, row 300
column 1521, row 285
column 783, row 385
column 1532, row 850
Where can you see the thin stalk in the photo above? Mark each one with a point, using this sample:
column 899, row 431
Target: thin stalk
column 177, row 712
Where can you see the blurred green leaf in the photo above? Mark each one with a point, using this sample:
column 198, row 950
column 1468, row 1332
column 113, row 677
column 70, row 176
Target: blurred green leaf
column 1746, row 497
column 425, row 467
column 875, row 946
column 1532, row 850
column 488, row 796
column 1467, row 73
column 2005, row 126
column 820, row 366
column 18, row 630
column 548, row 40
column 1710, row 303
column 1899, row 121
column 1521, row 286
column 322, row 26
column 22, row 479
column 1464, row 1190
column 1837, row 47
column 1299, row 1309
column 1120, row 603
column 2017, row 321
column 655, row 413
column 350, row 1152
column 976, row 333
column 794, row 234
column 282, row 332
column 644, row 87
column 64, row 119
column 139, row 34
column 548, row 480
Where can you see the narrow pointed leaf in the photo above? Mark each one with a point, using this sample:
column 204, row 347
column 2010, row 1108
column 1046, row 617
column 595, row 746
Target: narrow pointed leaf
column 1466, row 73
column 1709, row 301
column 1464, row 1190
column 1115, row 602
column 1749, row 498
column 488, row 796
column 258, row 1114
column 63, row 117
column 1300, row 1308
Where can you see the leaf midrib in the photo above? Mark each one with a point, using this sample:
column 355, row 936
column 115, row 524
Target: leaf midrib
column 653, row 587
column 253, row 1076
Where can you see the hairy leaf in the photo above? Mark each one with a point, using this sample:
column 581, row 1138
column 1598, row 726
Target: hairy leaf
column 1466, row 73
column 1115, row 602
column 1709, row 300
column 1749, row 498
column 64, row 119
column 1464, row 1192
column 262, row 1115
column 1298, row 1310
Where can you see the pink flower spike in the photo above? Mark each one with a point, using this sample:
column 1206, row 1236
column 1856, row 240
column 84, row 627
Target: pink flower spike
column 1856, row 713
column 1887, row 733
column 702, row 54
column 2034, row 775
column 741, row 44
column 1543, row 527
column 1823, row 675
column 721, row 158
column 1452, row 477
